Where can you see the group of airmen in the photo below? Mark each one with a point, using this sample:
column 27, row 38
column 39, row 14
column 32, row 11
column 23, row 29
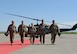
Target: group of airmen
column 54, row 30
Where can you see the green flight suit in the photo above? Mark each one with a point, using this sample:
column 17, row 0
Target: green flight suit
column 11, row 29
column 54, row 29
column 32, row 34
column 42, row 33
column 22, row 31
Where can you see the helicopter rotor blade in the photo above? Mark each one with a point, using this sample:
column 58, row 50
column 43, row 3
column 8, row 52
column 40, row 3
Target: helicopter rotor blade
column 64, row 24
column 23, row 16
column 60, row 24
column 35, row 19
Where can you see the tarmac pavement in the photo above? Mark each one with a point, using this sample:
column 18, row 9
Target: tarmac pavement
column 65, row 44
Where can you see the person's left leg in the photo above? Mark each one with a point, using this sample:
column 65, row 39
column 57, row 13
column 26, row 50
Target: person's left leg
column 43, row 38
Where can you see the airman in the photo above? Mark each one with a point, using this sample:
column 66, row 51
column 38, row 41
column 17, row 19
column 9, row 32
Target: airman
column 42, row 32
column 22, row 30
column 11, row 29
column 32, row 33
column 54, row 29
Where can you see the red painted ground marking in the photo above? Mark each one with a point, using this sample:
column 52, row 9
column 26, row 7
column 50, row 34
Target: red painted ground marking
column 6, row 48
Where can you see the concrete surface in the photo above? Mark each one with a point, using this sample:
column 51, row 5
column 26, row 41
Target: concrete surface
column 66, row 44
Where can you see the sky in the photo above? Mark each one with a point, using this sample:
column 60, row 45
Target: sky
column 62, row 11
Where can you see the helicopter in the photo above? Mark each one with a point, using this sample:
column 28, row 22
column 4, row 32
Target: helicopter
column 46, row 27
